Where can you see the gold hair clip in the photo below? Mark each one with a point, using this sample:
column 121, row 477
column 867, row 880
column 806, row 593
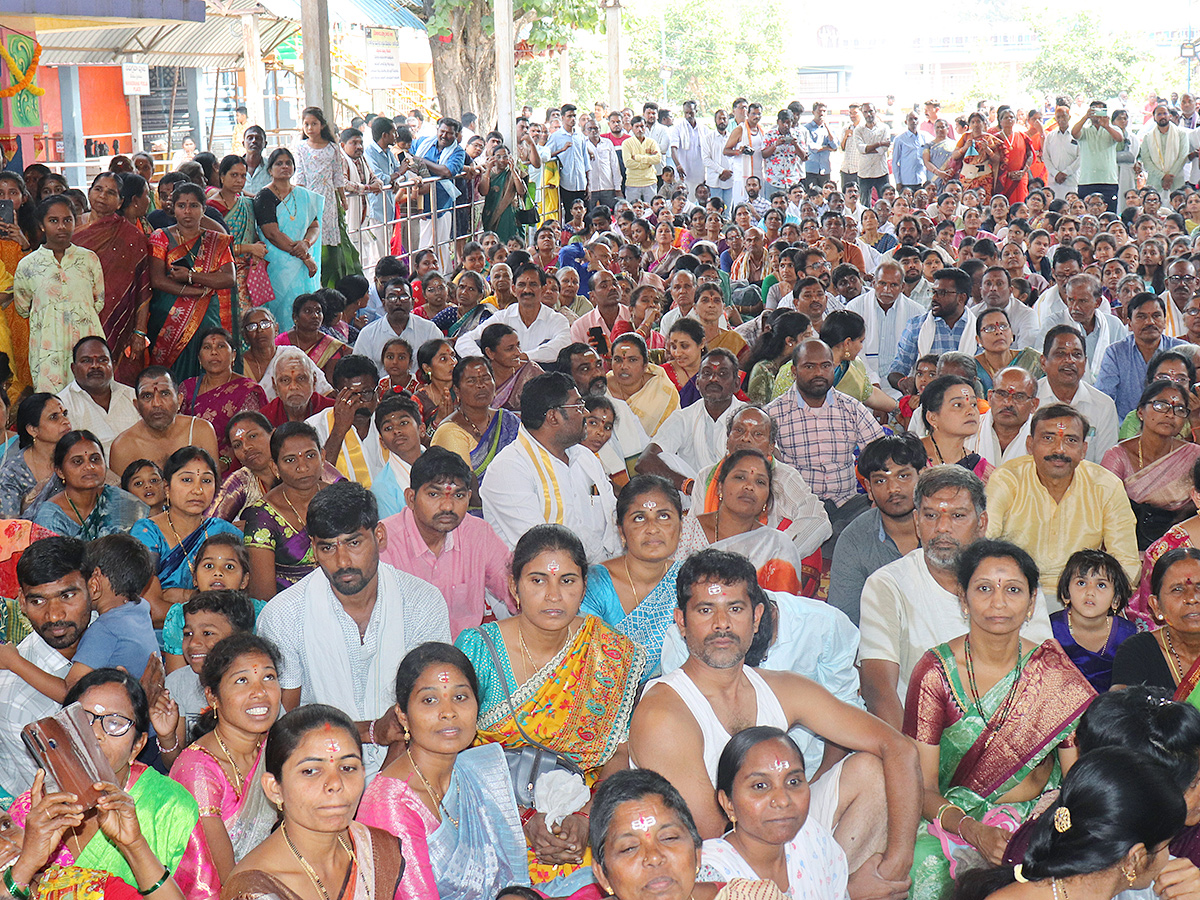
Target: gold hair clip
column 1062, row 820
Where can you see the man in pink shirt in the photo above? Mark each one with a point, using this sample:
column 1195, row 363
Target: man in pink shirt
column 434, row 539
column 608, row 310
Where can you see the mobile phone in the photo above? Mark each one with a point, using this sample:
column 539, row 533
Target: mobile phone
column 8, row 214
column 600, row 342
column 66, row 747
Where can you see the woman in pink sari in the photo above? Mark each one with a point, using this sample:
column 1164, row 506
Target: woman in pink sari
column 1156, row 466
column 124, row 253
column 219, row 393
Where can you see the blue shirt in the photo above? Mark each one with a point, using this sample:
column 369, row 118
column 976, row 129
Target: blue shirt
column 907, row 163
column 427, row 148
column 383, row 164
column 1122, row 372
column 820, row 145
column 945, row 340
column 120, row 637
column 574, row 163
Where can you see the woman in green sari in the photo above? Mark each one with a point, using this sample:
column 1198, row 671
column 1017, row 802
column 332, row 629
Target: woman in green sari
column 993, row 716
column 845, row 331
column 167, row 814
column 499, row 186
column 248, row 250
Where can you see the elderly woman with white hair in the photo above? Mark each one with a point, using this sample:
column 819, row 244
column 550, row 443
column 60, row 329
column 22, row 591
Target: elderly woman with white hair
column 293, row 356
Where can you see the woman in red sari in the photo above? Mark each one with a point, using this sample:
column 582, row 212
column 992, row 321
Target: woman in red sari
column 1012, row 179
column 191, row 271
column 1036, row 134
column 124, row 255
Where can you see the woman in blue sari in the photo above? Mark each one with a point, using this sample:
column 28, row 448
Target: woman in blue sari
column 77, row 502
column 289, row 223
column 635, row 593
column 451, row 804
column 174, row 536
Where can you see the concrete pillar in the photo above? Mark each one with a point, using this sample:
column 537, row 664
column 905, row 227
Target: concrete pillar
column 253, row 67
column 135, row 121
column 564, row 75
column 192, row 78
column 318, row 62
column 70, row 104
column 505, row 69
column 616, row 84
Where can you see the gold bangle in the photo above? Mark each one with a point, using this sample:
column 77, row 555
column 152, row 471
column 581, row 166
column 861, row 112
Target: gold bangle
column 942, row 809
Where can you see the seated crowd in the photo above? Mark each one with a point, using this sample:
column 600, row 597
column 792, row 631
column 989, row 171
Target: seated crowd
column 656, row 558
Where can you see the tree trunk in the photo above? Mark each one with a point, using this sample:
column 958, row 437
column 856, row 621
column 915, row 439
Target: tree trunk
column 464, row 68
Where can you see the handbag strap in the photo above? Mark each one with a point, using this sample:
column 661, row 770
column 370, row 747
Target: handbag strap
column 491, row 648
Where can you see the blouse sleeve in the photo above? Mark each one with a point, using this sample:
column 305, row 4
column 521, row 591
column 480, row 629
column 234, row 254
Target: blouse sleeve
column 339, row 173
column 158, row 245
column 201, row 775
column 260, row 532
column 265, row 203
column 1116, row 460
column 97, row 280
column 925, row 708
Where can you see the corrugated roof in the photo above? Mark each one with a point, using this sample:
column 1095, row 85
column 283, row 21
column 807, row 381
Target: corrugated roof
column 384, row 13
column 215, row 42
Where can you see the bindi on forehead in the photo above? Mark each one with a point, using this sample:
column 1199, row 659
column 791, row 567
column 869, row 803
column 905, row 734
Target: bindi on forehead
column 781, row 765
column 443, row 677
column 643, row 823
column 714, row 589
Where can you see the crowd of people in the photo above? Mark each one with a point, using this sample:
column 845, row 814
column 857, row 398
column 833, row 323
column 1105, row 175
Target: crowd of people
column 840, row 537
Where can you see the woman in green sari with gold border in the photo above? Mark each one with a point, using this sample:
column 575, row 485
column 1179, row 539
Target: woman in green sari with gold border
column 993, row 716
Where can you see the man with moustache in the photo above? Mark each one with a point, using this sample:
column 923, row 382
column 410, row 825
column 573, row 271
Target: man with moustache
column 1083, row 297
column 885, row 311
column 347, row 430
column 1065, row 364
column 995, row 291
column 1004, row 428
column 1054, row 502
column 949, row 325
column 94, row 401
column 1123, row 368
column 397, row 322
column 912, row 604
column 542, row 332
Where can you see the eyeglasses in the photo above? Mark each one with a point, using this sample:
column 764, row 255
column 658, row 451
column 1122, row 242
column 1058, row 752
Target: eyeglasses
column 1017, row 396
column 578, row 407
column 1192, row 311
column 1176, row 279
column 1164, row 406
column 1175, row 379
column 942, row 294
column 255, row 326
column 113, row 724
column 999, row 327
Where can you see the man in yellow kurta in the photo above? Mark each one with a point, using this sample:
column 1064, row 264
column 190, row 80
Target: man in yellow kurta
column 1054, row 502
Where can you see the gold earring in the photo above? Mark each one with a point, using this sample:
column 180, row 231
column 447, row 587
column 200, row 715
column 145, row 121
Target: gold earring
column 405, row 734
column 1130, row 874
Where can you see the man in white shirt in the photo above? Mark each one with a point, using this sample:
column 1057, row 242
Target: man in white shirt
column 872, row 140
column 659, row 132
column 1100, row 329
column 343, row 629
column 347, row 429
column 1005, row 426
column 541, row 331
column 693, row 437
column 1064, row 361
column 604, row 175
column 398, row 321
column 548, row 477
column 718, row 168
column 1060, row 153
column 912, row 604
column 885, row 310
column 1066, row 263
column 995, row 289
column 687, row 149
column 93, row 400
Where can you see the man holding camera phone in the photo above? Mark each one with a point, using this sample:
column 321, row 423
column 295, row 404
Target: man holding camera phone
column 1098, row 144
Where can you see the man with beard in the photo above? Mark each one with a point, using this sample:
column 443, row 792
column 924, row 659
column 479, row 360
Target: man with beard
column 1054, row 502
column 885, row 311
column 347, row 430
column 361, row 182
column 595, row 327
column 548, row 477
column 161, row 430
column 257, row 176
column 95, row 402
column 629, row 438
column 1004, row 428
column 821, row 432
column 881, row 535
column 1164, row 152
column 948, row 326
column 1122, row 373
column 434, row 539
column 908, row 234
column 53, row 575
column 912, row 604
column 691, row 437
column 296, row 395
column 343, row 629
column 718, row 167
column 915, row 286
column 1065, row 363
column 870, row 799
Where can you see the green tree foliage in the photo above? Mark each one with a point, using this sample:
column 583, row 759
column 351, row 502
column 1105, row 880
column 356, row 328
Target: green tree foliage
column 1078, row 57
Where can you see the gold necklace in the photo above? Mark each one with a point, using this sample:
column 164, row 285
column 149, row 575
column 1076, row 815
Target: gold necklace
column 1054, row 887
column 1107, row 634
column 241, row 780
column 311, row 872
column 437, row 798
column 171, row 525
column 633, row 587
column 529, row 656
column 295, row 512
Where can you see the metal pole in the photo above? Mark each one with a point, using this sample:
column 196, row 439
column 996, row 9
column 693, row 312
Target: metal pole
column 612, row 26
column 506, row 103
column 72, row 132
column 253, row 67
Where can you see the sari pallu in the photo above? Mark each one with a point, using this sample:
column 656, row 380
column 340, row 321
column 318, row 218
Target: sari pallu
column 501, row 432
column 508, row 394
column 220, row 404
column 578, row 705
column 978, row 171
column 289, row 276
column 115, row 512
column 1138, row 609
column 124, row 254
column 327, row 349
column 176, row 322
column 1013, row 150
column 170, row 821
column 1160, row 492
column 773, row 555
column 982, row 760
column 379, row 861
column 248, row 816
column 172, row 565
column 477, row 857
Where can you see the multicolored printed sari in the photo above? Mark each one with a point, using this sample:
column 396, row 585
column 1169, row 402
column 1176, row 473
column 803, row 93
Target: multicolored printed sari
column 578, row 705
column 981, row 759
column 175, row 322
column 124, row 256
column 1138, row 609
column 501, row 432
